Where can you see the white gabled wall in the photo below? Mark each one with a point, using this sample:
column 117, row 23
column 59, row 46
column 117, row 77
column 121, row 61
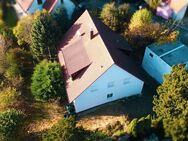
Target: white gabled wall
column 115, row 80
column 155, row 66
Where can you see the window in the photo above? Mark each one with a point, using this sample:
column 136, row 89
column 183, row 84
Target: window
column 126, row 81
column 150, row 54
column 109, row 95
column 39, row 1
column 110, row 84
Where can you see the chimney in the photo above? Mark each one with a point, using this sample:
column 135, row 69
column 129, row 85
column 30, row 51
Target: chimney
column 78, row 33
column 91, row 33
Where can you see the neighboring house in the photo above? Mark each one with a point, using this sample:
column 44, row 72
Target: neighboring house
column 24, row 7
column 171, row 8
column 96, row 68
column 179, row 7
column 159, row 59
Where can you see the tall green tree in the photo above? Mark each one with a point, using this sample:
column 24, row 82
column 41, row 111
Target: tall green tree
column 44, row 35
column 61, row 17
column 47, row 81
column 171, row 103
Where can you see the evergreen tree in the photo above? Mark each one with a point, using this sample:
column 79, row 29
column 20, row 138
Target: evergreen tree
column 47, row 81
column 171, row 103
column 45, row 36
column 61, row 18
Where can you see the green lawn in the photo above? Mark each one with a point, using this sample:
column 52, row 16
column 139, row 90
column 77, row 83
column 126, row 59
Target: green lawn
column 11, row 17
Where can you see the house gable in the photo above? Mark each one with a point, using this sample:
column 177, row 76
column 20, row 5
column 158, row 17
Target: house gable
column 114, row 84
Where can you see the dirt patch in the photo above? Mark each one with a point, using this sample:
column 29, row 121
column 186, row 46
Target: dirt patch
column 93, row 123
column 44, row 116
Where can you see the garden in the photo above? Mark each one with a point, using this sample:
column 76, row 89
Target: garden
column 32, row 91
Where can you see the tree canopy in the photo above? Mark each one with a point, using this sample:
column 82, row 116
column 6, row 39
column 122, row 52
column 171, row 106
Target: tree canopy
column 44, row 35
column 171, row 103
column 47, row 81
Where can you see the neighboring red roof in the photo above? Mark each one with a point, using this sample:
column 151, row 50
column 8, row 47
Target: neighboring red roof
column 49, row 5
column 103, row 51
column 25, row 4
column 75, row 57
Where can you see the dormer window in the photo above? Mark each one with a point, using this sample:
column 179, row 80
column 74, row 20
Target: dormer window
column 39, row 2
column 76, row 59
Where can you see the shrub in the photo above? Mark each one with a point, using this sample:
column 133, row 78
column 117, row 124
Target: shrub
column 140, row 127
column 10, row 124
column 140, row 18
column 47, row 81
column 8, row 97
column 64, row 130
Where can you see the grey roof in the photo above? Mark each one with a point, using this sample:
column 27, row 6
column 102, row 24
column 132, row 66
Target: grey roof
column 171, row 53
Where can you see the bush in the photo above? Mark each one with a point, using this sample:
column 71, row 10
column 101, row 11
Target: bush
column 140, row 18
column 140, row 127
column 64, row 130
column 47, row 81
column 8, row 97
column 10, row 124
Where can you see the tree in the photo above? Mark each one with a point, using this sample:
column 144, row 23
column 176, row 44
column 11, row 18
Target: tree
column 10, row 124
column 109, row 16
column 114, row 16
column 171, row 103
column 140, row 18
column 47, row 81
column 61, row 17
column 151, row 33
column 44, row 35
column 22, row 30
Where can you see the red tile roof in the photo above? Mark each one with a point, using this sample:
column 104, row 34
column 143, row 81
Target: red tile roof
column 25, row 4
column 75, row 57
column 49, row 5
column 103, row 51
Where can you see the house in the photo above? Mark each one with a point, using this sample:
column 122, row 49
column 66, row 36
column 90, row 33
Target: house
column 31, row 6
column 97, row 69
column 171, row 8
column 179, row 7
column 159, row 59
